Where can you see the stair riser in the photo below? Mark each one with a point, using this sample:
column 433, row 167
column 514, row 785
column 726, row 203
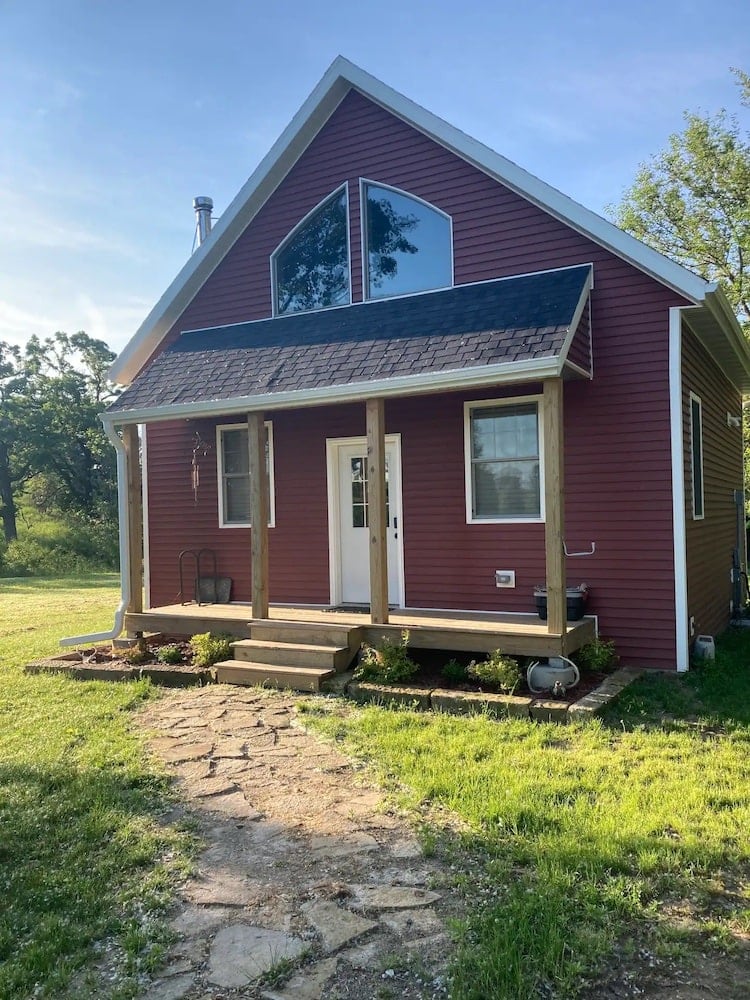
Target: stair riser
column 294, row 657
column 316, row 634
column 257, row 677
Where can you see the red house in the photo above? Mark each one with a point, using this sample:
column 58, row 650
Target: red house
column 430, row 382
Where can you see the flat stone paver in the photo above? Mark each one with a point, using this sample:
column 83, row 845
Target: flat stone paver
column 306, row 985
column 392, row 897
column 335, row 925
column 242, row 953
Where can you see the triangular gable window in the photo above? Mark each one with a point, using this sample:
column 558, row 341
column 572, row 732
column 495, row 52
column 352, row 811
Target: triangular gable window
column 311, row 267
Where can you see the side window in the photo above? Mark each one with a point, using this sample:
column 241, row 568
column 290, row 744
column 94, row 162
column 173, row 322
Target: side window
column 408, row 244
column 503, row 461
column 234, row 476
column 310, row 269
column 696, row 454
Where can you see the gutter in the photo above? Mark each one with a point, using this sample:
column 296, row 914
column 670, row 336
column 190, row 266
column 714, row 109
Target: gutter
column 122, row 514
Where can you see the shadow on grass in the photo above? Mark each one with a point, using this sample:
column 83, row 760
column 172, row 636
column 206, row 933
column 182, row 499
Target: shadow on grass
column 75, row 845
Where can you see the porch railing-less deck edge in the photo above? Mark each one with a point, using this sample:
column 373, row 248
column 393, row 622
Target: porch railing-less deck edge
column 516, row 634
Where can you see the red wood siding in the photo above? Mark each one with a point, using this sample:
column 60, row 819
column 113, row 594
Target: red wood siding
column 580, row 349
column 617, row 432
column 710, row 541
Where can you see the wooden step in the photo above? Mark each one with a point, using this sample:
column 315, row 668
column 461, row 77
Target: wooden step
column 316, row 633
column 291, row 654
column 271, row 675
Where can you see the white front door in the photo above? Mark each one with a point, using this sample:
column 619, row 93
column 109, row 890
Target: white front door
column 349, row 521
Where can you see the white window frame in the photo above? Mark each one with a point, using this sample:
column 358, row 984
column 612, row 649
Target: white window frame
column 290, row 236
column 363, row 183
column 480, row 404
column 697, row 517
column 223, row 523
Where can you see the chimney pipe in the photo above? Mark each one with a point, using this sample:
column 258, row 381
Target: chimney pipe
column 203, row 207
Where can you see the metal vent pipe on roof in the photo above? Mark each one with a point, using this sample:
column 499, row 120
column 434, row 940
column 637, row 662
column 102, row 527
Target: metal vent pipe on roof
column 203, row 207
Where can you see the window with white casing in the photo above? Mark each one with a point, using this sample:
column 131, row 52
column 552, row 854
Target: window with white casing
column 696, row 454
column 407, row 243
column 310, row 269
column 504, row 461
column 232, row 450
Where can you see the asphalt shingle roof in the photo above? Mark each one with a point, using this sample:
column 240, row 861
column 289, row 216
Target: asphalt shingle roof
column 468, row 326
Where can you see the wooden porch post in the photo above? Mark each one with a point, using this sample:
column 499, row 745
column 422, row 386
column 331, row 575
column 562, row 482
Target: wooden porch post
column 256, row 433
column 377, row 512
column 554, row 503
column 135, row 516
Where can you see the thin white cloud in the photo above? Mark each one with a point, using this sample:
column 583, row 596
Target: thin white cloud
column 17, row 325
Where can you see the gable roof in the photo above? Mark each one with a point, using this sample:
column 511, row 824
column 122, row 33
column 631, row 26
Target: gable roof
column 339, row 79
column 493, row 331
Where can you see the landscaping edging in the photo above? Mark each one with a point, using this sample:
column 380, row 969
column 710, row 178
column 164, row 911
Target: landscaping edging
column 71, row 664
column 497, row 705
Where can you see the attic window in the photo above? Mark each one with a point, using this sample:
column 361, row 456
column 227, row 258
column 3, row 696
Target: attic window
column 409, row 243
column 311, row 267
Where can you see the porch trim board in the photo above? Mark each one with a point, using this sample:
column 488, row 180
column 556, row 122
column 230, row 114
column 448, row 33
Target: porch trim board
column 480, row 632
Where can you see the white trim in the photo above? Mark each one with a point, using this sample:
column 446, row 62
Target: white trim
column 333, row 446
column 474, row 404
column 290, row 235
column 340, row 77
column 146, row 538
column 694, row 398
column 363, row 183
column 220, row 476
column 123, row 520
column 577, row 368
column 679, row 527
column 507, row 373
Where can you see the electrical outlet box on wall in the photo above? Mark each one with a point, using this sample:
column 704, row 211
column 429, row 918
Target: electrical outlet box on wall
column 505, row 578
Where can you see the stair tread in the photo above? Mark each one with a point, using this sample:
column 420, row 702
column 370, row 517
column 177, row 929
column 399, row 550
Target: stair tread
column 275, row 668
column 281, row 644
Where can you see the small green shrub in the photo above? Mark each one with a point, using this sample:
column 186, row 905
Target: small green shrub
column 387, row 664
column 498, row 670
column 598, row 655
column 455, row 672
column 210, row 647
column 170, row 653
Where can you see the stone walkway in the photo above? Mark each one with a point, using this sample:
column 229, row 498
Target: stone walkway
column 308, row 887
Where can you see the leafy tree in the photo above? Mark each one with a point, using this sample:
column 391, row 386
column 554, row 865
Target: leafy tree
column 51, row 393
column 692, row 201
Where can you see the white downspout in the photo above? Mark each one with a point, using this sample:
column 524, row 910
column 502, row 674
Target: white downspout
column 678, row 490
column 122, row 513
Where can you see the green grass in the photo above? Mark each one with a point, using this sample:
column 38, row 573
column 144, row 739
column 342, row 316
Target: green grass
column 86, row 854
column 577, row 835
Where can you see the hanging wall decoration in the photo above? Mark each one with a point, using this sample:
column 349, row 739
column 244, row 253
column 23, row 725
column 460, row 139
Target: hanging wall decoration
column 200, row 450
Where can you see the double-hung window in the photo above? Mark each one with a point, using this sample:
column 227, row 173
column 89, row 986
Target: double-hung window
column 232, row 449
column 503, row 461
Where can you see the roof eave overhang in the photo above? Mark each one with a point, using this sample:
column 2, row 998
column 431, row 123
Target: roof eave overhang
column 407, row 385
column 341, row 76
column 717, row 328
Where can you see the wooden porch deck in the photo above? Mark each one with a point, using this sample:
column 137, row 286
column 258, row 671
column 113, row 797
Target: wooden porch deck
column 480, row 632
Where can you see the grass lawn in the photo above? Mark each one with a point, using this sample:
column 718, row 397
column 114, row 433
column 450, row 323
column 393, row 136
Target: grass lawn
column 88, row 858
column 583, row 837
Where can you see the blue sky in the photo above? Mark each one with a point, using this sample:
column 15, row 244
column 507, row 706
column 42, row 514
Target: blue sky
column 114, row 114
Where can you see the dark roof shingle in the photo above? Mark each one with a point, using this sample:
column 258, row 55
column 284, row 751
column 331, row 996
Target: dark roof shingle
column 492, row 322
